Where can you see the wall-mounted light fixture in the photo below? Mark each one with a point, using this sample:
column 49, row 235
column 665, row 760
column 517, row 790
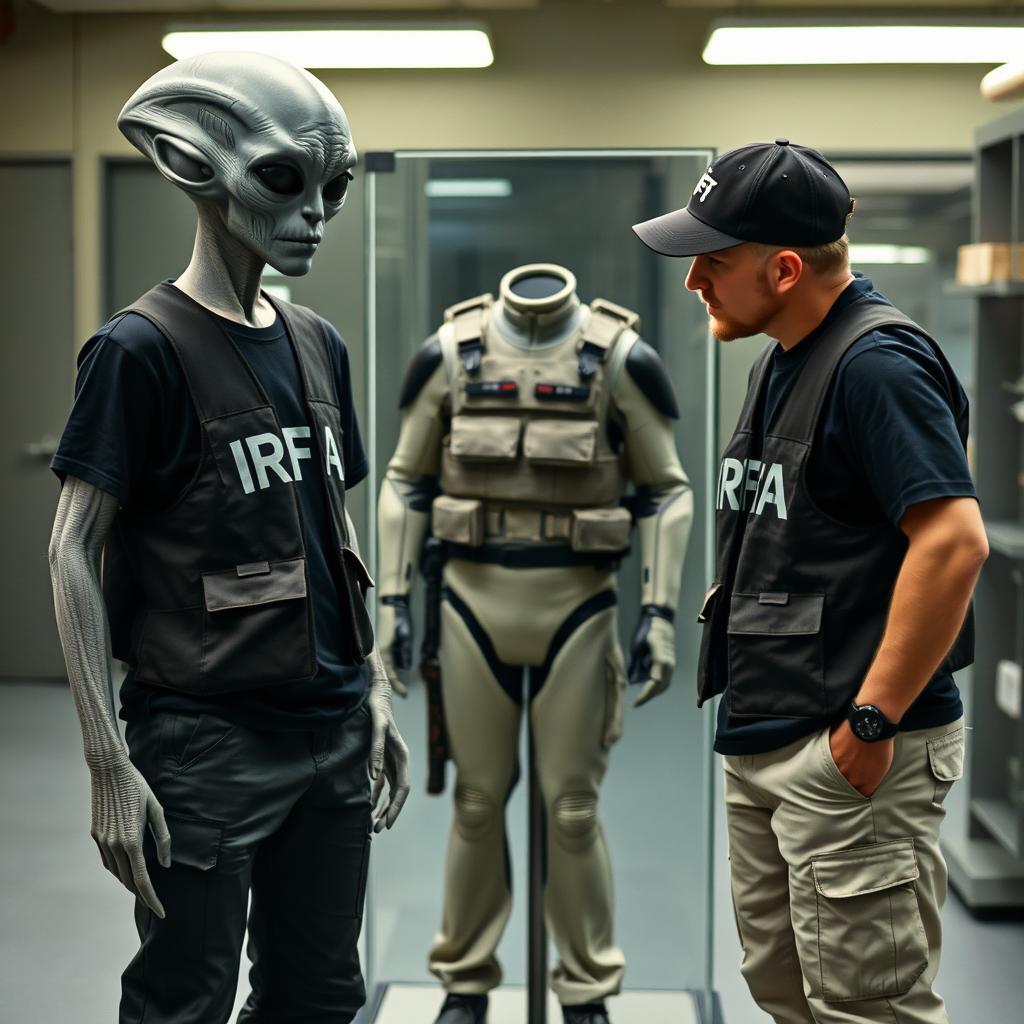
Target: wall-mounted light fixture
column 354, row 47
column 468, row 188
column 886, row 255
column 745, row 42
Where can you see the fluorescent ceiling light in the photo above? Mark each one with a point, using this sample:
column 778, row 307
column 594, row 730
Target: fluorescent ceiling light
column 864, row 44
column 346, row 48
column 468, row 188
column 888, row 254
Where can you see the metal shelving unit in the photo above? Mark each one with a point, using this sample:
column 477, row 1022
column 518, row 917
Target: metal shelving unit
column 987, row 863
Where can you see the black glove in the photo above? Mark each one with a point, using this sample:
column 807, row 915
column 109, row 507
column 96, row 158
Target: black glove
column 652, row 651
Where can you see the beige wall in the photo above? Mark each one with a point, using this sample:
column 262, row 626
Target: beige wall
column 603, row 77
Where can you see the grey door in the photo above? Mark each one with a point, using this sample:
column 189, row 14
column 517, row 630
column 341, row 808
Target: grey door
column 36, row 375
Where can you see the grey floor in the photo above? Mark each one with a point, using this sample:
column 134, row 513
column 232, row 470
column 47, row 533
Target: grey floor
column 66, row 931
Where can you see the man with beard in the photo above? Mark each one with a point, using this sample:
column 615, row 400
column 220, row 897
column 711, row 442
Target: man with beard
column 849, row 540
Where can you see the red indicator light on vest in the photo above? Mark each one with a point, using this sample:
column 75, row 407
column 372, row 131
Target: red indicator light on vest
column 494, row 388
column 561, row 392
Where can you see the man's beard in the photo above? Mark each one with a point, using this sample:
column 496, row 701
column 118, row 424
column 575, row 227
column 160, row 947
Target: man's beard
column 731, row 329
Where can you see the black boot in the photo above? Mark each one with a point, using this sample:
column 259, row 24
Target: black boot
column 586, row 1013
column 463, row 1009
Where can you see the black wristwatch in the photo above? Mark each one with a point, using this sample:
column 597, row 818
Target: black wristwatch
column 869, row 724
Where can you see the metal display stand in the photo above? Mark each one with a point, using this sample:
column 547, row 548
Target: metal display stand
column 987, row 865
column 537, row 934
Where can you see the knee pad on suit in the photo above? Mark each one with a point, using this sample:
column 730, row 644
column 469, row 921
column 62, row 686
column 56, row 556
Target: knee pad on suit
column 474, row 812
column 574, row 820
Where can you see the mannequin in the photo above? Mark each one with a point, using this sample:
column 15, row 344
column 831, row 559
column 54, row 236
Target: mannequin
column 530, row 415
column 253, row 716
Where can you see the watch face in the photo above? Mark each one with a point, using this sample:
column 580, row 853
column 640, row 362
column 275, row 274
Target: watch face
column 867, row 723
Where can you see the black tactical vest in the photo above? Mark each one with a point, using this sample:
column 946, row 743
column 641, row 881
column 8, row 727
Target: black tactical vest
column 211, row 594
column 800, row 600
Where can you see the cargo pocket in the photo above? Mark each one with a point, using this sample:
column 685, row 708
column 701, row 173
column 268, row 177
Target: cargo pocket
column 566, row 443
column 184, row 888
column 354, row 584
column 615, row 695
column 776, row 656
column 600, row 529
column 256, row 626
column 946, row 761
column 712, row 673
column 459, row 520
column 485, row 438
column 871, row 941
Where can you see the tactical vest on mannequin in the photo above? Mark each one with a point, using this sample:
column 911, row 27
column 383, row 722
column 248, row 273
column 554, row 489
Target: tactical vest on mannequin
column 528, row 457
column 800, row 601
column 211, row 595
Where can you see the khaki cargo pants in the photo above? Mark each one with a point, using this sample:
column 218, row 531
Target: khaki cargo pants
column 837, row 896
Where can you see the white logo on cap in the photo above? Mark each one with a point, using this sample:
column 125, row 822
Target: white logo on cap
column 707, row 183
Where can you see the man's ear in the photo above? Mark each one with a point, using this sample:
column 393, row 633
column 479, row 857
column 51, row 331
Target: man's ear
column 786, row 270
column 185, row 165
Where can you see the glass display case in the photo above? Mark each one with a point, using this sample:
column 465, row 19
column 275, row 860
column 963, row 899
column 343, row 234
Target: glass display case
column 442, row 227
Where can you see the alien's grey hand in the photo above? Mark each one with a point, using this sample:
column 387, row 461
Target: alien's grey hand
column 394, row 639
column 122, row 806
column 389, row 756
column 652, row 654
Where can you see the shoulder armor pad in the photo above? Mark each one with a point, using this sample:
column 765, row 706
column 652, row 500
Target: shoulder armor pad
column 420, row 370
column 647, row 369
column 626, row 317
column 478, row 302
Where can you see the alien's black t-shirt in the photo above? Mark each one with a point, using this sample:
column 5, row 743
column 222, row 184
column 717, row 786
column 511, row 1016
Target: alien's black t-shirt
column 133, row 432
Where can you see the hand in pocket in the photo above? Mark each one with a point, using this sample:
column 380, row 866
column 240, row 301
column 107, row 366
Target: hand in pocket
column 863, row 765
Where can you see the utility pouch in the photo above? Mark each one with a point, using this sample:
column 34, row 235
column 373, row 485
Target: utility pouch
column 568, row 443
column 459, row 520
column 600, row 529
column 776, row 652
column 712, row 662
column 485, row 438
column 353, row 584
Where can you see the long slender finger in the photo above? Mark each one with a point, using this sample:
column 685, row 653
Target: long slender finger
column 143, row 884
column 400, row 781
column 161, row 834
column 375, row 794
column 398, row 799
column 377, row 744
column 107, row 857
column 124, row 868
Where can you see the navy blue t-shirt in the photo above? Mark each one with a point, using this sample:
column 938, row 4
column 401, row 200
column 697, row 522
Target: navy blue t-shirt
column 134, row 433
column 887, row 439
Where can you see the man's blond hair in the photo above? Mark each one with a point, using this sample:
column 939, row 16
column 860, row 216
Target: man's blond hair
column 825, row 260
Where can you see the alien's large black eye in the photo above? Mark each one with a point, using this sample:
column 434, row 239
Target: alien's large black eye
column 335, row 189
column 280, row 178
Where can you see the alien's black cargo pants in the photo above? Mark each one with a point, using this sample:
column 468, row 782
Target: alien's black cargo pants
column 283, row 816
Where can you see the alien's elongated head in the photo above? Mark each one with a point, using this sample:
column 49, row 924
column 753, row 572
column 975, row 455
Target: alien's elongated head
column 264, row 142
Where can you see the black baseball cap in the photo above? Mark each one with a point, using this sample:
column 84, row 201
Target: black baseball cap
column 777, row 193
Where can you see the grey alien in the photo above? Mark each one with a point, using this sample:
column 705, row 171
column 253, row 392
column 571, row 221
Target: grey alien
column 265, row 152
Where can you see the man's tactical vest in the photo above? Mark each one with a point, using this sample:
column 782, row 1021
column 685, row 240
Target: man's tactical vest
column 211, row 594
column 528, row 458
column 800, row 600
